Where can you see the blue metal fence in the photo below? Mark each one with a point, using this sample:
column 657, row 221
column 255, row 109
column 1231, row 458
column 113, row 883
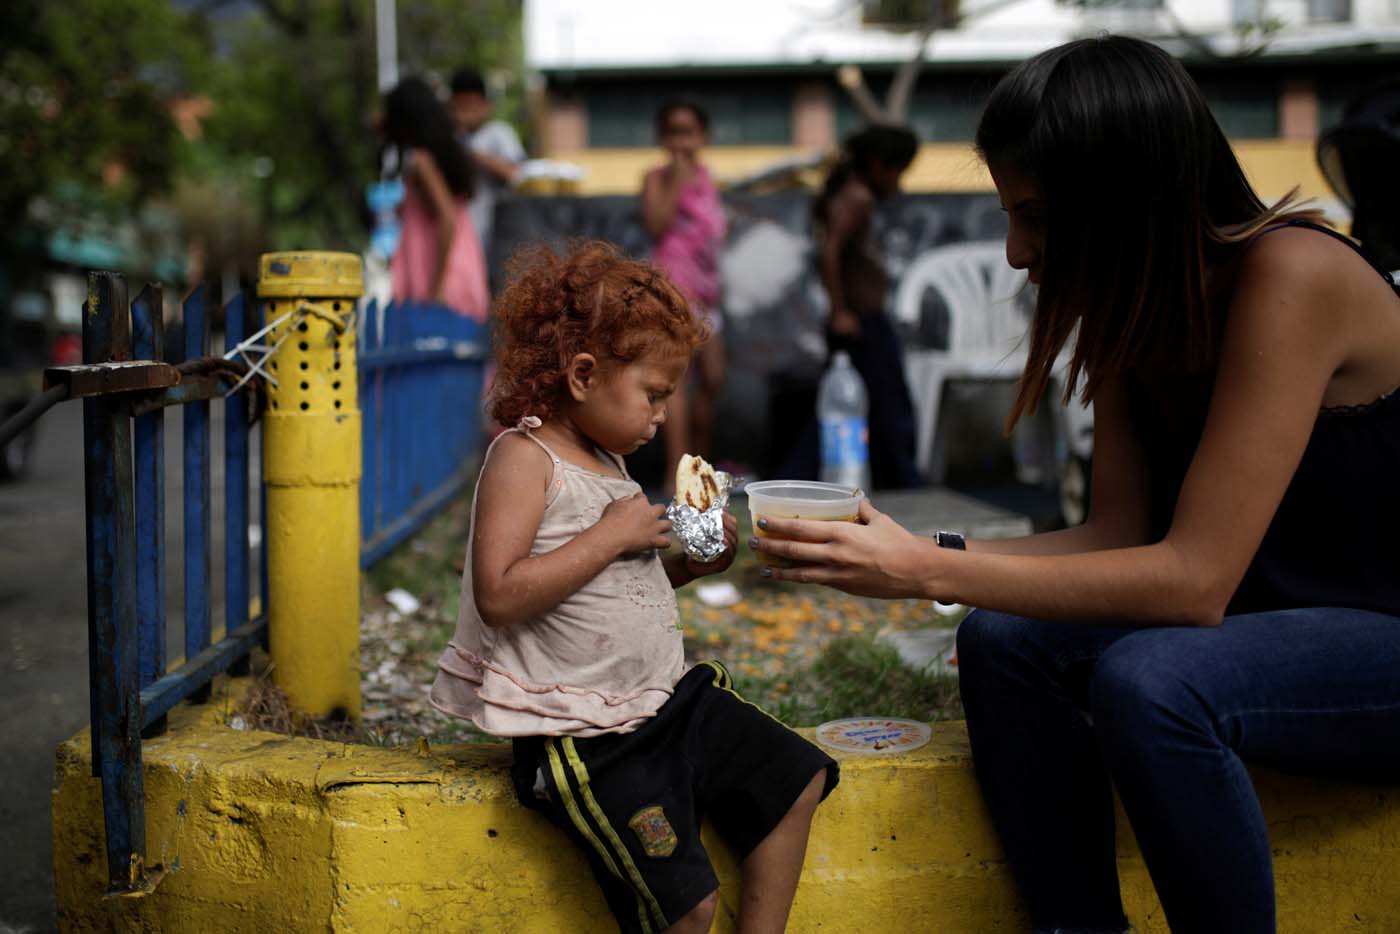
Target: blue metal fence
column 421, row 377
column 124, row 402
column 421, row 374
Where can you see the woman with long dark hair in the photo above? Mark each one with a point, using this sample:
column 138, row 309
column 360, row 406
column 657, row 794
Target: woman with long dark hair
column 1233, row 596
column 439, row 257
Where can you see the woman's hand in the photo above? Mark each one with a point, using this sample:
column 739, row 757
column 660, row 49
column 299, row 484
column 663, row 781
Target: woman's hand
column 731, row 546
column 633, row 524
column 873, row 557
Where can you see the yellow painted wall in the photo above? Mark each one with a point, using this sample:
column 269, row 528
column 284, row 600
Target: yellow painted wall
column 1273, row 165
column 257, row 832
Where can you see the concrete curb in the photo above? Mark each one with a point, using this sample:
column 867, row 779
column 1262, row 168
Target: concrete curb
column 261, row 832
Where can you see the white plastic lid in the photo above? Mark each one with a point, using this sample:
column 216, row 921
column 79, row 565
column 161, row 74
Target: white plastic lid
column 880, row 736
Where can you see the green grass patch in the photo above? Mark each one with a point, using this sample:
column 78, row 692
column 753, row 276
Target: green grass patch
column 855, row 676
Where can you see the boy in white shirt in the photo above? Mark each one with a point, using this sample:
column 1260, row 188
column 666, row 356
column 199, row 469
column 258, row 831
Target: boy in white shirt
column 493, row 144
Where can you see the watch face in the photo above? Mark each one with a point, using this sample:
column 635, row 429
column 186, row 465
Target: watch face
column 951, row 540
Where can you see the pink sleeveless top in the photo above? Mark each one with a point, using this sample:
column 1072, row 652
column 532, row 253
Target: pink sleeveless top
column 602, row 661
column 413, row 263
column 689, row 249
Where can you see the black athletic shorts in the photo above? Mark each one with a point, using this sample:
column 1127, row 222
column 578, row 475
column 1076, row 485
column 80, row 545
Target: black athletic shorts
column 634, row 801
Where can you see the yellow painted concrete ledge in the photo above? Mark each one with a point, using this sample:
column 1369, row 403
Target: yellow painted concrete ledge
column 260, row 832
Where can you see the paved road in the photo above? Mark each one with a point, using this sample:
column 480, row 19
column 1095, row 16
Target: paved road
column 43, row 643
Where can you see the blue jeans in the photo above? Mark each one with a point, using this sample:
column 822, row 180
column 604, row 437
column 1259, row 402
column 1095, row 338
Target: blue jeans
column 1169, row 716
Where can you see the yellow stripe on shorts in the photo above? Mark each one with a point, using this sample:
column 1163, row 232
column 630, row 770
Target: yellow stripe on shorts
column 725, row 682
column 638, row 883
column 556, row 768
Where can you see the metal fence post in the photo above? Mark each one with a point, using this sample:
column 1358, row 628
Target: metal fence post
column 111, row 545
column 148, row 343
column 311, row 463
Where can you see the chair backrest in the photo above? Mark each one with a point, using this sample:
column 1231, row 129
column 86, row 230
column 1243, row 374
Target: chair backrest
column 980, row 292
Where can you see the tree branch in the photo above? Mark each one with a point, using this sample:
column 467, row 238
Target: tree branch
column 897, row 100
column 850, row 78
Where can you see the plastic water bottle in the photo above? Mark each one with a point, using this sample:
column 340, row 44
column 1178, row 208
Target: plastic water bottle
column 384, row 198
column 842, row 409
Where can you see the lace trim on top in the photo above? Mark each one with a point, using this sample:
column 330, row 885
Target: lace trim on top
column 1362, row 408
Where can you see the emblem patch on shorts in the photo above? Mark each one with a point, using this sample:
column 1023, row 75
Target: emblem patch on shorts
column 654, row 830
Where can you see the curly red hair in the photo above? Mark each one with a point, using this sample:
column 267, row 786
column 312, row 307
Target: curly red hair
column 590, row 299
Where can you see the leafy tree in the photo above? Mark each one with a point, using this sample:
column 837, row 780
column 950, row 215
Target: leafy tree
column 277, row 98
column 294, row 93
column 86, row 129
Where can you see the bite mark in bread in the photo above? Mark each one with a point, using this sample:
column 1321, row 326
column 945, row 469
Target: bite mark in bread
column 696, row 484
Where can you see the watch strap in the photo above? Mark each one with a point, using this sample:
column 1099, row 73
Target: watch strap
column 952, row 540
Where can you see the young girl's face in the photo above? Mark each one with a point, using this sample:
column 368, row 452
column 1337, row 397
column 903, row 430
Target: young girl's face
column 627, row 404
column 1025, row 209
column 682, row 134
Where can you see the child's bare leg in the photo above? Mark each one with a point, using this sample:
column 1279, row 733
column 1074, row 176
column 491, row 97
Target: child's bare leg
column 770, row 873
column 698, row 919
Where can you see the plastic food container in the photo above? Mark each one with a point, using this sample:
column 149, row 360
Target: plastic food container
column 801, row 499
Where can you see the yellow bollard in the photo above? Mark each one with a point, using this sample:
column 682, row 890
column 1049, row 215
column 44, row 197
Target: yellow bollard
column 311, row 462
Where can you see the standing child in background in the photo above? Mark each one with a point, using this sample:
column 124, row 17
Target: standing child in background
column 493, row 144
column 683, row 215
column 439, row 257
column 569, row 639
column 853, row 274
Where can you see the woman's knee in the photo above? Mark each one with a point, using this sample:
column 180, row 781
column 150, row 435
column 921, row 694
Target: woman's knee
column 1144, row 686
column 985, row 635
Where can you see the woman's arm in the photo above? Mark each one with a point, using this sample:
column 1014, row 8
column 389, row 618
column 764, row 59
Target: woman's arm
column 1281, row 346
column 508, row 583
column 1118, row 501
column 424, row 173
column 848, row 211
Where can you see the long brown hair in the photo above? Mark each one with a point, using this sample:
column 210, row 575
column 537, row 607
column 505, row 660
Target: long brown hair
column 1142, row 196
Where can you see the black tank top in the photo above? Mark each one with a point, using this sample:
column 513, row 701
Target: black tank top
column 1335, row 539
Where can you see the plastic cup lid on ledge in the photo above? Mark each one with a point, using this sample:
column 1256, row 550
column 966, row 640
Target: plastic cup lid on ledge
column 879, row 736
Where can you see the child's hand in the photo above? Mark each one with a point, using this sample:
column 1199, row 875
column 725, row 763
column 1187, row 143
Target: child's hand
column 635, row 524
column 722, row 563
column 845, row 323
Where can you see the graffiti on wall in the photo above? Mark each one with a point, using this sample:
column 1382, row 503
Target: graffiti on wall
column 774, row 305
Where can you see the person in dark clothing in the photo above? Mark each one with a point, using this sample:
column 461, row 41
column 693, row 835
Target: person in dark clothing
column 1358, row 157
column 1233, row 595
column 853, row 274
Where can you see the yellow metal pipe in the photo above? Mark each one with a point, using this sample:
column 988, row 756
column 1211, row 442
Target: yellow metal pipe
column 311, row 462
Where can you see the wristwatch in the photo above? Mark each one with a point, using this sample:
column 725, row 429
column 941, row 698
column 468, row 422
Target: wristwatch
column 953, row 540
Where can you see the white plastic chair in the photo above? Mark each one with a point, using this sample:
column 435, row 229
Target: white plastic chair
column 986, row 331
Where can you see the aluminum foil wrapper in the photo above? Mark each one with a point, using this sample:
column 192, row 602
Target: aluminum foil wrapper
column 702, row 533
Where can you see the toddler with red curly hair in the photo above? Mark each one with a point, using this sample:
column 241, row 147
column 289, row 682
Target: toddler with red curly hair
column 569, row 640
